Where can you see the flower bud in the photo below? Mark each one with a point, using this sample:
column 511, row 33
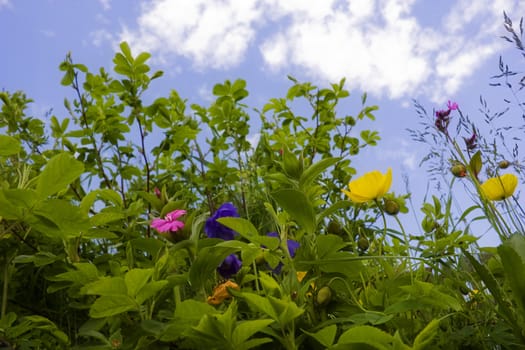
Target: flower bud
column 459, row 170
column 363, row 243
column 391, row 207
column 334, row 227
column 504, row 164
column 324, row 296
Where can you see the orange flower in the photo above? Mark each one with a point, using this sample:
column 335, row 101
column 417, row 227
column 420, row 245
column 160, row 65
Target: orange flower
column 221, row 293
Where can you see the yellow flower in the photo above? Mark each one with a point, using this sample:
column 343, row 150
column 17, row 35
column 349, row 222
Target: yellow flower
column 370, row 186
column 499, row 188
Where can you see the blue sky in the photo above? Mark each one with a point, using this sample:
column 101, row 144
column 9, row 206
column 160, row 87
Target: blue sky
column 395, row 50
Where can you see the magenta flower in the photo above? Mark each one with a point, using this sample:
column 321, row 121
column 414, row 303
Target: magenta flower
column 452, row 105
column 170, row 222
column 157, row 192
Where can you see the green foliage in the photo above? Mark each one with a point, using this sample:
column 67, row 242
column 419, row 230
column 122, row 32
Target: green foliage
column 83, row 268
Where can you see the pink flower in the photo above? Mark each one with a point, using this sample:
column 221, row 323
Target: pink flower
column 170, row 222
column 452, row 105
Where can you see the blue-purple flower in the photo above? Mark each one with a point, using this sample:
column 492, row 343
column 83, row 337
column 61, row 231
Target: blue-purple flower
column 214, row 229
column 292, row 248
column 230, row 266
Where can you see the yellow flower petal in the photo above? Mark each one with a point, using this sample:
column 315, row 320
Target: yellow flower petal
column 370, row 186
column 499, row 188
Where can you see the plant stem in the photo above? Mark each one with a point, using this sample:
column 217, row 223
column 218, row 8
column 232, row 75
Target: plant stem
column 5, row 289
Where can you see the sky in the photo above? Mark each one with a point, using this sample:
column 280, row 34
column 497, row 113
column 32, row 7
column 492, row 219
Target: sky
column 395, row 50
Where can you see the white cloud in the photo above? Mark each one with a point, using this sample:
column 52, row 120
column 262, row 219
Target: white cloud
column 106, row 4
column 212, row 34
column 101, row 36
column 5, row 3
column 380, row 46
column 48, row 33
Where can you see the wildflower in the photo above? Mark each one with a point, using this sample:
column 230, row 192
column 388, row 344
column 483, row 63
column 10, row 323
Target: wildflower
column 170, row 222
column 157, row 192
column 370, row 186
column 301, row 275
column 292, row 247
column 499, row 188
column 214, row 229
column 221, row 293
column 443, row 116
column 471, row 141
column 452, row 105
column 230, row 266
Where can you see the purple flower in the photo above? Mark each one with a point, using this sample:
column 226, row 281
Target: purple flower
column 214, row 229
column 170, row 222
column 443, row 117
column 230, row 266
column 471, row 141
column 292, row 248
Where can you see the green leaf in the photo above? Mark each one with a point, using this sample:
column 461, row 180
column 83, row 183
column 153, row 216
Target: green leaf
column 60, row 171
column 259, row 303
column 325, row 336
column 60, row 217
column 512, row 254
column 246, row 229
column 366, row 335
column 476, row 163
column 9, row 145
column 203, row 268
column 313, row 171
column 373, row 317
column 426, row 336
column 111, row 305
column 150, row 290
column 108, row 286
column 298, row 206
column 16, row 203
column 245, row 329
column 342, row 204
column 136, row 279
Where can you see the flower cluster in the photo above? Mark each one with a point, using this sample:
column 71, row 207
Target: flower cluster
column 443, row 117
